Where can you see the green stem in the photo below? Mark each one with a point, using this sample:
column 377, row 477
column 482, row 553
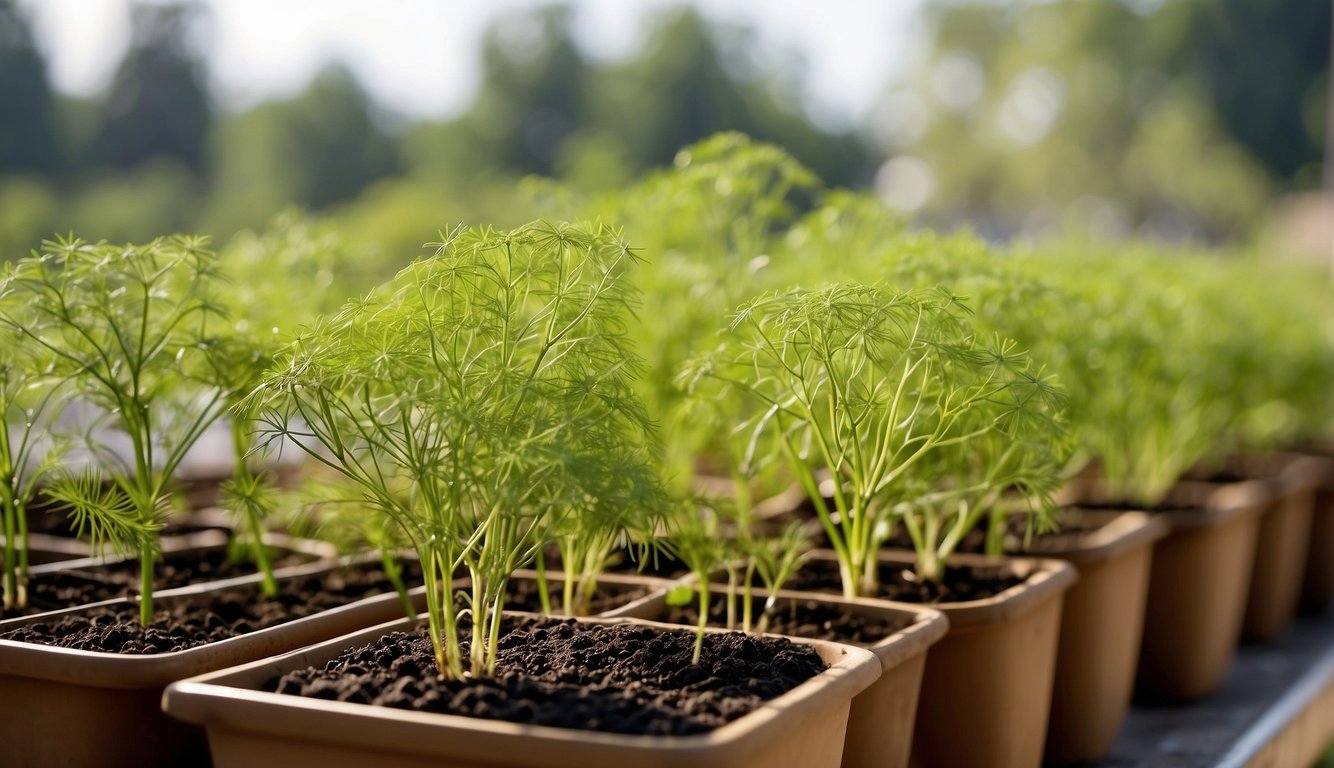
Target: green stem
column 146, row 583
column 747, row 609
column 731, row 597
column 395, row 576
column 241, row 474
column 543, row 593
column 703, row 590
column 11, row 552
column 21, row 513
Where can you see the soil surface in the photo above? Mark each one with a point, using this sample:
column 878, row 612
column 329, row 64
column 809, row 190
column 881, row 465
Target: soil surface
column 660, row 565
column 1075, row 524
column 523, row 596
column 811, row 619
column 897, row 582
column 66, row 589
column 553, row 672
column 199, row 619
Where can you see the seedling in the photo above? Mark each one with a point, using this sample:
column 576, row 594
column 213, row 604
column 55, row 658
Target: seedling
column 131, row 326
column 29, row 402
column 917, row 420
column 463, row 398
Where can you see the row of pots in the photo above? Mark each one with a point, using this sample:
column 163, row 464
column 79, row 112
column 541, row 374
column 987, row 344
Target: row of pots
column 1163, row 595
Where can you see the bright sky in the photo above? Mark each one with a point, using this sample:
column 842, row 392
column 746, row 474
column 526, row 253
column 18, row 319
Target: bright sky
column 420, row 57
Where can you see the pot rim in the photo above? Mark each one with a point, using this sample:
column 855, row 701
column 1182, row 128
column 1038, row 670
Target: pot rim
column 115, row 670
column 1043, row 578
column 219, row 699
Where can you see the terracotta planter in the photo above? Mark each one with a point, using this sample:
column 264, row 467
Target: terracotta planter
column 802, row 728
column 70, row 707
column 880, row 724
column 986, row 689
column 1199, row 581
column 1102, row 622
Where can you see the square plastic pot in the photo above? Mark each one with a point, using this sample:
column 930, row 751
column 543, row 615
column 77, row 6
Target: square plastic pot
column 60, row 706
column 1102, row 622
column 1198, row 584
column 986, row 689
column 880, row 724
column 1283, row 540
column 1318, row 579
column 247, row 726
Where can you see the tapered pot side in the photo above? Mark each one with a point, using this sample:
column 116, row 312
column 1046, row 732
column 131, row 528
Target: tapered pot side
column 992, row 672
column 1318, row 579
column 1102, row 622
column 986, row 689
column 1283, row 542
column 247, row 726
column 880, row 724
column 1198, row 585
column 70, row 707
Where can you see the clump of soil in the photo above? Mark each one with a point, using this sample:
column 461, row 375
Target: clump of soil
column 898, row 582
column 813, row 619
column 620, row 678
column 66, row 589
column 199, row 619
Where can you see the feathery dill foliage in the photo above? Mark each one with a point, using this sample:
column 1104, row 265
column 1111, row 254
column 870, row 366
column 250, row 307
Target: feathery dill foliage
column 29, row 401
column 478, row 399
column 918, row 420
column 133, row 327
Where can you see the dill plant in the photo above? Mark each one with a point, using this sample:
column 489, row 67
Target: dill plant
column 468, row 399
column 919, row 421
column 132, row 327
column 29, row 402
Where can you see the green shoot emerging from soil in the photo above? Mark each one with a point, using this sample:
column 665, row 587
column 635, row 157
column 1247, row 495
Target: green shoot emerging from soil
column 918, row 421
column 28, row 401
column 468, row 399
column 132, row 327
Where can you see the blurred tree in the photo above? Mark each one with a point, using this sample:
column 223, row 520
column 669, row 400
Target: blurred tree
column 544, row 108
column 1108, row 115
column 692, row 79
column 27, row 110
column 1264, row 65
column 158, row 104
column 320, row 148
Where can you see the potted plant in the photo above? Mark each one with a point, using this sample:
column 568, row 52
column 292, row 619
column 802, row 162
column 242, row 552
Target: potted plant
column 132, row 328
column 29, row 402
column 477, row 400
column 918, row 423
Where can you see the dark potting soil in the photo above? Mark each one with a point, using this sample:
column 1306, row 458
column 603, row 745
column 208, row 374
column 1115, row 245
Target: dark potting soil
column 205, row 618
column 658, row 565
column 1131, row 506
column 1074, row 526
column 812, row 619
column 66, row 589
column 621, row 679
column 523, row 595
column 898, row 582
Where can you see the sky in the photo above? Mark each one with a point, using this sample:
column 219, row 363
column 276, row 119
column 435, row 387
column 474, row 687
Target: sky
column 420, row 58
